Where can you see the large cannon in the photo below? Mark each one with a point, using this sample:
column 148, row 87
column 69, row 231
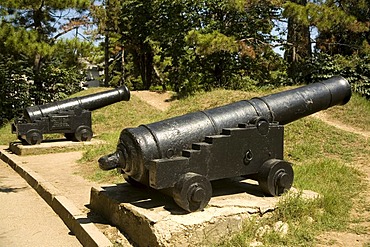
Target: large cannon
column 72, row 117
column 181, row 155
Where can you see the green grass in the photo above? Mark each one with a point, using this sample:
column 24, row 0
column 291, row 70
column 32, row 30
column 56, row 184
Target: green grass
column 355, row 113
column 325, row 160
column 6, row 135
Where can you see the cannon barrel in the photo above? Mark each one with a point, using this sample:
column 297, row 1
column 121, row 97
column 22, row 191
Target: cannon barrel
column 89, row 102
column 137, row 147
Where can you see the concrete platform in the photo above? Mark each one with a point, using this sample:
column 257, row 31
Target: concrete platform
column 57, row 145
column 150, row 218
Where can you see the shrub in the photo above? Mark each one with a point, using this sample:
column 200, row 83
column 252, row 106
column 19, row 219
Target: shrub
column 354, row 68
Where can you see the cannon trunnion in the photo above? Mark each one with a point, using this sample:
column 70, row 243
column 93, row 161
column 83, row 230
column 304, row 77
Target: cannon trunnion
column 72, row 117
column 181, row 155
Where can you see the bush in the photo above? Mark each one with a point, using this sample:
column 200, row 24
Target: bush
column 14, row 87
column 354, row 68
column 17, row 90
column 58, row 83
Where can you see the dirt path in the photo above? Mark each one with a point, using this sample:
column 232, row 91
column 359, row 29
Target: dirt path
column 58, row 170
column 160, row 100
column 361, row 212
column 25, row 218
column 323, row 117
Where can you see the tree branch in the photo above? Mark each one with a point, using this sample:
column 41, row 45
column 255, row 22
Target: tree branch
column 66, row 30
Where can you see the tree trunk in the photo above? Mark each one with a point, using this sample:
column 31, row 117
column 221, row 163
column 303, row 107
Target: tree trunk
column 37, row 20
column 147, row 69
column 122, row 81
column 37, row 80
column 106, row 59
column 163, row 83
column 143, row 65
column 299, row 44
column 106, row 46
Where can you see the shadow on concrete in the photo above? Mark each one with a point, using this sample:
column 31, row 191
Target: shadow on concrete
column 24, row 143
column 144, row 197
column 11, row 190
column 238, row 185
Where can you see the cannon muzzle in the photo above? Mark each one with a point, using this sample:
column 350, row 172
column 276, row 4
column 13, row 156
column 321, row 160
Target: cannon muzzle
column 288, row 106
column 89, row 102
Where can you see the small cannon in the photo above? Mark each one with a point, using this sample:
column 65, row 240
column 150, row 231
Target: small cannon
column 181, row 155
column 71, row 117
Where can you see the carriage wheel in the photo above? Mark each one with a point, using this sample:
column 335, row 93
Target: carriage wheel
column 83, row 134
column 33, row 137
column 192, row 192
column 275, row 177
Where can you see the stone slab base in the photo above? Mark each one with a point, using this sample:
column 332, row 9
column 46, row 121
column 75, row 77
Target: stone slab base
column 150, row 218
column 47, row 146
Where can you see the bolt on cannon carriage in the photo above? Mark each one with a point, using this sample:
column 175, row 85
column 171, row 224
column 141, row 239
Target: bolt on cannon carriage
column 181, row 155
column 72, row 117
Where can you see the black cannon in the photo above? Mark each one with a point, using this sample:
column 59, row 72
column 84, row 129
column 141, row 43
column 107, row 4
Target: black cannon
column 71, row 117
column 181, row 155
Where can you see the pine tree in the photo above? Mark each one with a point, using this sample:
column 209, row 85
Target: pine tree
column 32, row 28
column 346, row 30
column 342, row 25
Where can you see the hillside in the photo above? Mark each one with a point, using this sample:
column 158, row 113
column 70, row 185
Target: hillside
column 330, row 152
